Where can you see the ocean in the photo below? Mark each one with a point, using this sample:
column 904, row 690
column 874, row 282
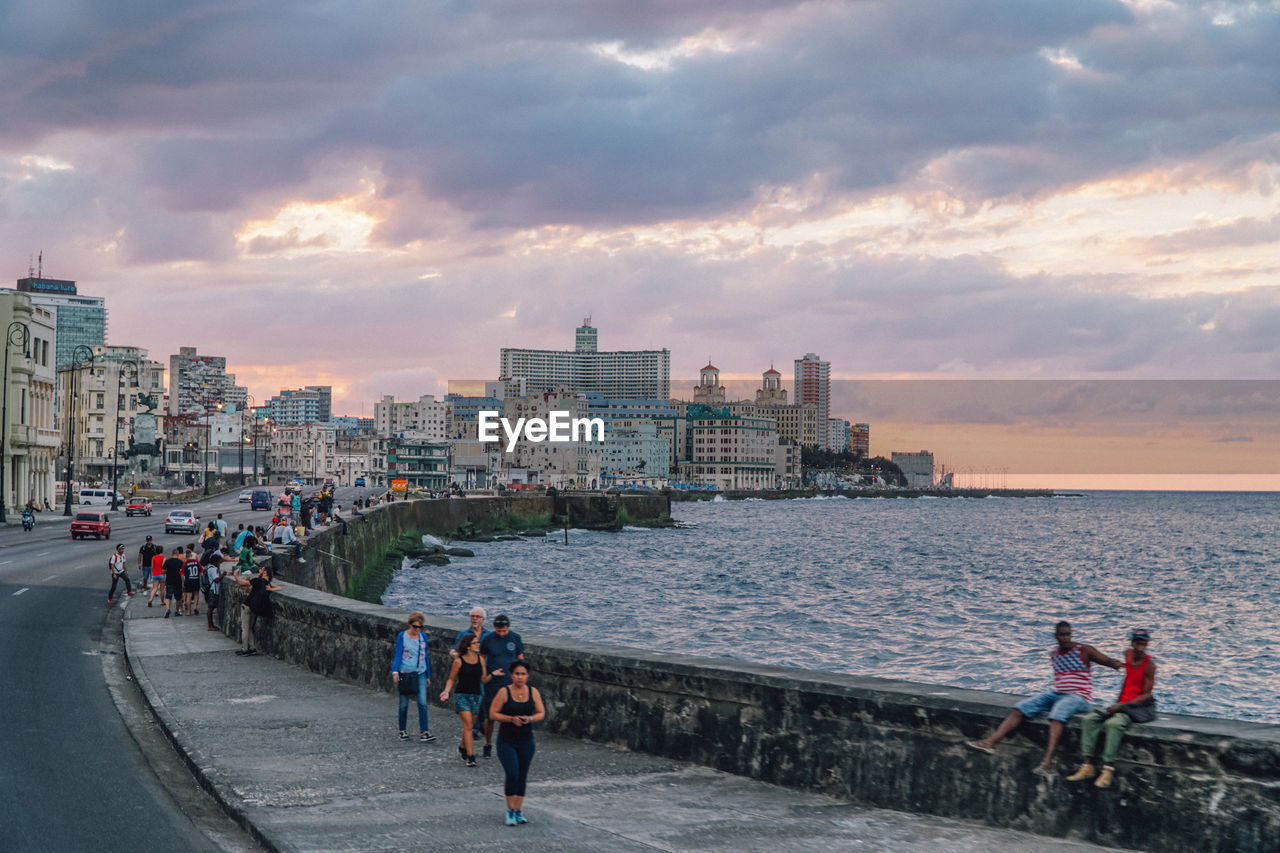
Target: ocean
column 953, row 591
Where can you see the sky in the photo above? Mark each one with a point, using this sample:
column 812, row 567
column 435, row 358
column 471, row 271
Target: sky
column 379, row 195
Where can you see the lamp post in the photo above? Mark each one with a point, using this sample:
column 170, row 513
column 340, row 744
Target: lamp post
column 19, row 334
column 249, row 397
column 115, row 442
column 80, row 356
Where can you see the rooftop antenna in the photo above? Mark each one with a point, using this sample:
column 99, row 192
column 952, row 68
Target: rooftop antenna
column 40, row 269
column 31, row 267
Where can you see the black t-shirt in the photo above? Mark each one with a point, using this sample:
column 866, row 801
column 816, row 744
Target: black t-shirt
column 147, row 552
column 173, row 571
column 192, row 568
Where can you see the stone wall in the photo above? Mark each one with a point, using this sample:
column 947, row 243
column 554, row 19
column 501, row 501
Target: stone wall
column 1183, row 783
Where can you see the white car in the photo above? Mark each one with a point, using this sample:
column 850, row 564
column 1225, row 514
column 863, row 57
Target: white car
column 246, row 496
column 181, row 521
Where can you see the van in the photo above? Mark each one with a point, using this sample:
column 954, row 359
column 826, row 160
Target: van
column 261, row 499
column 100, row 497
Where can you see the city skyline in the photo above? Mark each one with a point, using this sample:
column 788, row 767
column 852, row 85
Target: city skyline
column 377, row 201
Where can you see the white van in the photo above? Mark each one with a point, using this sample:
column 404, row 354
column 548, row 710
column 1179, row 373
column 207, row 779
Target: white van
column 99, row 497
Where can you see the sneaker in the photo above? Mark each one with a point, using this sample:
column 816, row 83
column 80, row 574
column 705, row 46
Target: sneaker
column 426, row 737
column 520, row 818
column 1104, row 779
column 404, row 735
column 488, row 750
column 239, row 652
column 131, row 595
column 148, row 603
column 250, row 653
column 111, row 601
column 511, row 817
column 980, row 746
column 166, row 614
column 1046, row 772
column 1086, row 771
column 470, row 760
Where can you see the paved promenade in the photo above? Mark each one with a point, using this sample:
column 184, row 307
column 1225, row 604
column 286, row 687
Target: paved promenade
column 311, row 764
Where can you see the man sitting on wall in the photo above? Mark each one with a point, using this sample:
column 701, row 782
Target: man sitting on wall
column 1137, row 704
column 1071, row 694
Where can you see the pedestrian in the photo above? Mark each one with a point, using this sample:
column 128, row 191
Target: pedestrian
column 157, row 575
column 477, row 631
column 241, row 533
column 173, row 582
column 1137, row 704
column 245, row 556
column 211, row 585
column 191, row 571
column 516, row 706
column 1071, row 693
column 469, row 674
column 145, row 553
column 501, row 647
column 119, row 566
column 256, row 605
column 411, row 672
column 210, row 539
column 222, row 527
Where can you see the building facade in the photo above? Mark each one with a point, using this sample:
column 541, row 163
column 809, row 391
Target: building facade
column 813, row 385
column 198, row 383
column 621, row 374
column 426, row 416
column 310, row 405
column 79, row 320
column 28, row 449
column 729, row 452
column 916, row 467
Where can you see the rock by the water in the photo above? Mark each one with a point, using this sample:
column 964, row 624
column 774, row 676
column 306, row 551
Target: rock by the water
column 460, row 552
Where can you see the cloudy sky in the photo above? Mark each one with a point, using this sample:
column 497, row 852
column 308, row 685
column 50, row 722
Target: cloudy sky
column 378, row 195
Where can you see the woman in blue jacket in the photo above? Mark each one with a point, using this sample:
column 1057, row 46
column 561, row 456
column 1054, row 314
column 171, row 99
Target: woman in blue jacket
column 410, row 661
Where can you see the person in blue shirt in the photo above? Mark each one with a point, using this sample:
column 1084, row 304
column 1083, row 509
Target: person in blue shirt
column 500, row 648
column 410, row 660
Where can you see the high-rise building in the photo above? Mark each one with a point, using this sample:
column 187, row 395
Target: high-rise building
column 80, row 320
column 813, row 385
column 860, row 440
column 427, row 417
column 623, row 374
column 310, row 405
column 198, row 383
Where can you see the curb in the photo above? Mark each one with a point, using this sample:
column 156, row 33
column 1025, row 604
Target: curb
column 199, row 765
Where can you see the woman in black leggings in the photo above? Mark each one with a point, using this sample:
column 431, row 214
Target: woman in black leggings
column 516, row 707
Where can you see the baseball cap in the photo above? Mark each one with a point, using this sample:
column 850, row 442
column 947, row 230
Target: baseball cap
column 1140, row 634
column 148, row 538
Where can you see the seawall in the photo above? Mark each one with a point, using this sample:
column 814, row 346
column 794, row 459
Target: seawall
column 1183, row 783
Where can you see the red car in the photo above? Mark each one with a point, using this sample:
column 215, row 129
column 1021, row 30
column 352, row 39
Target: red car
column 95, row 524
column 138, row 506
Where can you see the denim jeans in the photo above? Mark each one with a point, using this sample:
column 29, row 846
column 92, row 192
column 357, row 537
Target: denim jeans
column 422, row 705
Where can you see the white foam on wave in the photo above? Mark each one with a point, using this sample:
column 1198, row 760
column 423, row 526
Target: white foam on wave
column 428, row 539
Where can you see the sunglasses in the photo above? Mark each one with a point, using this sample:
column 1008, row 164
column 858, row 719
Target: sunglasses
column 415, row 624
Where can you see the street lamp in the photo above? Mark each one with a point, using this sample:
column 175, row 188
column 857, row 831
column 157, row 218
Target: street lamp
column 115, row 443
column 19, row 334
column 249, row 397
column 80, row 356
column 204, row 456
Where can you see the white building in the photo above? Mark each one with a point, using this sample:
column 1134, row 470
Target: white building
column 916, row 467
column 619, row 374
column 426, row 417
column 637, row 450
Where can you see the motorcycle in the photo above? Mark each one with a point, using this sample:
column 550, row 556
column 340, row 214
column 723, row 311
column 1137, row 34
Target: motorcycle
column 28, row 520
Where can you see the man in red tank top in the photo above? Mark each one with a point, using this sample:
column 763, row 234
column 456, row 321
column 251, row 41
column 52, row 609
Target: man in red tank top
column 1137, row 704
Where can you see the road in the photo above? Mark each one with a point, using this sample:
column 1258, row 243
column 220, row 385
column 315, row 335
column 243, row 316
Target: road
column 81, row 763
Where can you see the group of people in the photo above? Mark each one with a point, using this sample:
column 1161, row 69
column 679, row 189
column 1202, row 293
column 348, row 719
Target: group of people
column 489, row 682
column 1072, row 693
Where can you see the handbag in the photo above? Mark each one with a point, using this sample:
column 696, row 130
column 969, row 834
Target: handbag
column 1142, row 713
column 408, row 683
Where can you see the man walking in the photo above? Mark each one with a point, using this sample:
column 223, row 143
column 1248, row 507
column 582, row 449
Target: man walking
column 145, row 553
column 500, row 648
column 1071, row 693
column 1137, row 704
column 119, row 565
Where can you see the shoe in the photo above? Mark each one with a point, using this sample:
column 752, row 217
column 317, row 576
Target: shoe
column 250, row 653
column 1104, row 779
column 462, row 753
column 1046, row 772
column 511, row 817
column 148, row 603
column 166, row 614
column 111, row 601
column 470, row 760
column 980, row 746
column 195, row 613
column 1086, row 771
column 404, row 735
column 488, row 750
column 240, row 652
column 426, row 737
column 131, row 595
column 520, row 818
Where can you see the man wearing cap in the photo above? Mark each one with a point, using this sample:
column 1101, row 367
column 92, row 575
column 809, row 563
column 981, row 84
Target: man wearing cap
column 145, row 553
column 1072, row 693
column 1137, row 704
column 500, row 648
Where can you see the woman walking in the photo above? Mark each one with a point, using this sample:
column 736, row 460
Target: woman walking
column 469, row 673
column 409, row 665
column 516, row 706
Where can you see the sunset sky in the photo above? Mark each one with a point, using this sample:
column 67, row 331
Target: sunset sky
column 379, row 195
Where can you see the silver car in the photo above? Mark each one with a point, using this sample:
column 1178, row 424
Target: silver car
column 181, row 521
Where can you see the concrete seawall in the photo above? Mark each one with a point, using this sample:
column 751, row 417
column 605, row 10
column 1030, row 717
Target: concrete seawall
column 1184, row 783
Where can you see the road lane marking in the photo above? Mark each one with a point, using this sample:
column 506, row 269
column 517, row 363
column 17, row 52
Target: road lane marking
column 21, row 591
column 5, row 562
column 44, row 553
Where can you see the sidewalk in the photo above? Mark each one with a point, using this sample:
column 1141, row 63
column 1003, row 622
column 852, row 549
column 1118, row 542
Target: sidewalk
column 309, row 764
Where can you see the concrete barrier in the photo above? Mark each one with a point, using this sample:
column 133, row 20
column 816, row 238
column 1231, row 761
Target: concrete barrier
column 1183, row 783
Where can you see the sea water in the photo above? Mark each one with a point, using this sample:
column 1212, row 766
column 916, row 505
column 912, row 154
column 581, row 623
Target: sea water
column 954, row 591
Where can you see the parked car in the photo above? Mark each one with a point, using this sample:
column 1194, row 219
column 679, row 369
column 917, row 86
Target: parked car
column 360, row 482
column 181, row 521
column 246, row 496
column 138, row 506
column 95, row 524
column 260, row 499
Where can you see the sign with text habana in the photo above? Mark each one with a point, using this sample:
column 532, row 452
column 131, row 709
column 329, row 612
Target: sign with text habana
column 399, row 485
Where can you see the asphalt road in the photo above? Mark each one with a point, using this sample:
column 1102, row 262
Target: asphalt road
column 81, row 764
